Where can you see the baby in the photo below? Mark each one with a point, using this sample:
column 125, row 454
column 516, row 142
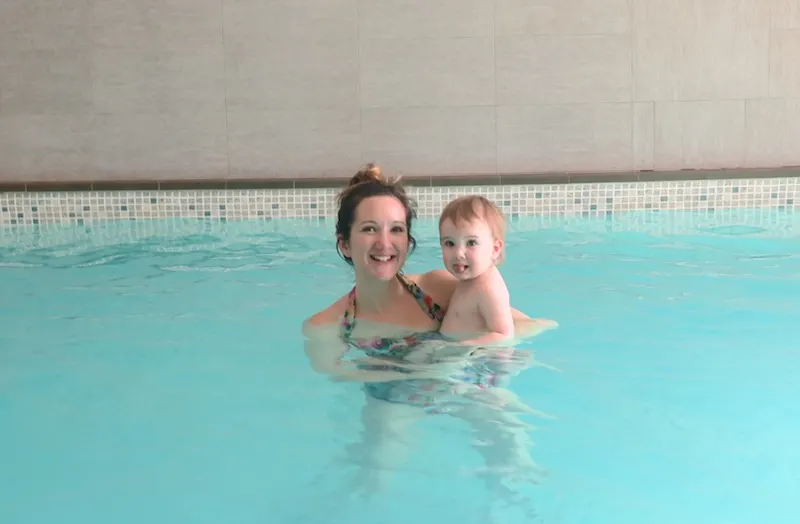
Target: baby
column 472, row 235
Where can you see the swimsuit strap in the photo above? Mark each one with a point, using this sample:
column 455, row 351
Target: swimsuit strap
column 349, row 319
column 425, row 301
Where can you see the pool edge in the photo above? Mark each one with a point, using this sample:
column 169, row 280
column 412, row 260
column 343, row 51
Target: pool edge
column 579, row 195
column 509, row 179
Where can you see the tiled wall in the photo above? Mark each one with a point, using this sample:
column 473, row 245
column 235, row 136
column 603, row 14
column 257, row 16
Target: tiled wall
column 148, row 89
column 570, row 199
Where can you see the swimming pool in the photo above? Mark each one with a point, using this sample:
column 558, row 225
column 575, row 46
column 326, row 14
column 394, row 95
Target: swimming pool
column 153, row 371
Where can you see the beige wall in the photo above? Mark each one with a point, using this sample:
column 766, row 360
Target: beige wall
column 250, row 88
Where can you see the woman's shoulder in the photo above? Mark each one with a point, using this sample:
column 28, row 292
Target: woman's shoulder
column 331, row 316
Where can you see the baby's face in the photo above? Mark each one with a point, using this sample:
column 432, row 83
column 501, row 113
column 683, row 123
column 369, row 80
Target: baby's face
column 468, row 248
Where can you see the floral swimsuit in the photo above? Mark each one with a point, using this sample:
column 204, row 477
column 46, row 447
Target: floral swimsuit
column 424, row 392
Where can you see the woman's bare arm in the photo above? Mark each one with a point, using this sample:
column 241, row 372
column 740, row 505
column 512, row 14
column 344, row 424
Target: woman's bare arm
column 325, row 351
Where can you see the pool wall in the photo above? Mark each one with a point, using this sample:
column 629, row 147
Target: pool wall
column 251, row 89
column 562, row 195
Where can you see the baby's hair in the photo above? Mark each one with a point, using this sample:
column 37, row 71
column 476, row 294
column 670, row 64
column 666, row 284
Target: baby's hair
column 476, row 207
column 369, row 182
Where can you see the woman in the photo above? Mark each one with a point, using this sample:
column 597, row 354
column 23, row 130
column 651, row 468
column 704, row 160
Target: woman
column 387, row 314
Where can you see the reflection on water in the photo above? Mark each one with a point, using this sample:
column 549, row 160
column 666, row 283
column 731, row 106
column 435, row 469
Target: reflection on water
column 492, row 414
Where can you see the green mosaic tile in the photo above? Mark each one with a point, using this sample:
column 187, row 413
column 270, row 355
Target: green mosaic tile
column 554, row 199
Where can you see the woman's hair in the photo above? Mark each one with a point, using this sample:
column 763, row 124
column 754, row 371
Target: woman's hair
column 369, row 182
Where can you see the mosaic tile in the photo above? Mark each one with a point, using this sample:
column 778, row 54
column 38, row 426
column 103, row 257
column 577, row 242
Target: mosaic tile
column 565, row 199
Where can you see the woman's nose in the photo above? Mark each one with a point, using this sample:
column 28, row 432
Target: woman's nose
column 384, row 237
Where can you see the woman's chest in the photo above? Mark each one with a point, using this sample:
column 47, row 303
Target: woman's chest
column 398, row 320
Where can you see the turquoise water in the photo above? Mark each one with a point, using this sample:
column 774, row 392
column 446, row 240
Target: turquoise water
column 154, row 372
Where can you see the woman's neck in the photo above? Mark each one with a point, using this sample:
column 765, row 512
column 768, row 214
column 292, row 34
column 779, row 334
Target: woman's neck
column 375, row 296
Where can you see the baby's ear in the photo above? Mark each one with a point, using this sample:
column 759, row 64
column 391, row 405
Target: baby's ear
column 499, row 252
column 499, row 245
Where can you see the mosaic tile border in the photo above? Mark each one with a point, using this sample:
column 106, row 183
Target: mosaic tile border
column 584, row 199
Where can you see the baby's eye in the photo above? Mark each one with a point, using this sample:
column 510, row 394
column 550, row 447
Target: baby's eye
column 472, row 243
column 448, row 243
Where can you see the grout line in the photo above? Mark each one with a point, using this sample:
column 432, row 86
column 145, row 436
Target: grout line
column 632, row 79
column 745, row 154
column 224, row 85
column 653, row 132
column 359, row 78
column 496, row 105
column 769, row 49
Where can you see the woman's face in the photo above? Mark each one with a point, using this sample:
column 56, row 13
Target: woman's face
column 378, row 242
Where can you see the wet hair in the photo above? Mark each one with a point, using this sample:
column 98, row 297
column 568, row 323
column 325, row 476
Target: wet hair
column 367, row 183
column 476, row 207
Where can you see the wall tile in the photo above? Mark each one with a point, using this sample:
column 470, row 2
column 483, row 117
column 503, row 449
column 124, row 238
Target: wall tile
column 45, row 57
column 572, row 137
column 152, row 58
column 689, row 50
column 785, row 13
column 171, row 146
column 168, row 212
column 294, row 142
column 44, row 147
column 289, row 21
column 533, row 70
column 316, row 73
column 438, row 72
column 707, row 133
column 773, row 132
column 56, row 81
column 784, row 72
column 285, row 54
column 562, row 17
column 119, row 88
column 425, row 141
column 27, row 25
column 425, row 18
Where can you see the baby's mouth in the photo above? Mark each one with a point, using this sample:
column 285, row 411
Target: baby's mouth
column 460, row 268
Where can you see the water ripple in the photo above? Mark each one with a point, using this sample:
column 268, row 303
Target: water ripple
column 19, row 265
column 203, row 253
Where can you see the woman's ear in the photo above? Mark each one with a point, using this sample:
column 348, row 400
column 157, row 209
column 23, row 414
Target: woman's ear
column 343, row 246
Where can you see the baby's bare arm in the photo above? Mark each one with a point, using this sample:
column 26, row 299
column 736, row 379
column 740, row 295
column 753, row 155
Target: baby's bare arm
column 494, row 307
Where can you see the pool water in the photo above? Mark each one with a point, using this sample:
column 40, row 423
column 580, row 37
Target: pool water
column 155, row 372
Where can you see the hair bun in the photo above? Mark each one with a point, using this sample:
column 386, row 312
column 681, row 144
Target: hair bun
column 370, row 173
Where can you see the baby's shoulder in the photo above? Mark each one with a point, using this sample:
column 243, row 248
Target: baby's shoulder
column 493, row 283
